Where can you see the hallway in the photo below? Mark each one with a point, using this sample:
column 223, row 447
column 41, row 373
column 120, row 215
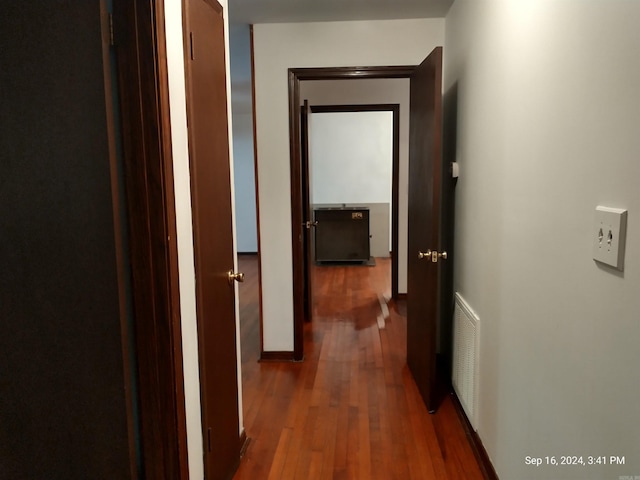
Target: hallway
column 351, row 410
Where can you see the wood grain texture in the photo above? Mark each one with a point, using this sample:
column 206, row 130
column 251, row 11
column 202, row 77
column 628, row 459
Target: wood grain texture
column 395, row 175
column 297, row 217
column 424, row 224
column 141, row 61
column 295, row 75
column 204, row 40
column 351, row 410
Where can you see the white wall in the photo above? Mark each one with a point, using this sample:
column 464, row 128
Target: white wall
column 245, row 186
column 278, row 47
column 241, row 106
column 351, row 160
column 177, row 99
column 350, row 157
column 548, row 116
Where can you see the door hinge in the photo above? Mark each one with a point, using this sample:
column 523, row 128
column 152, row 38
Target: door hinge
column 209, row 439
column 191, row 45
column 111, row 36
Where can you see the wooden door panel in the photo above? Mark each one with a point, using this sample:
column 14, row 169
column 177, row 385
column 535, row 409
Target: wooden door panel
column 307, row 231
column 425, row 178
column 212, row 229
column 65, row 391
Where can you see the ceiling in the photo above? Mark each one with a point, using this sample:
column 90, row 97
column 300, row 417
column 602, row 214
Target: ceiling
column 243, row 12
column 285, row 11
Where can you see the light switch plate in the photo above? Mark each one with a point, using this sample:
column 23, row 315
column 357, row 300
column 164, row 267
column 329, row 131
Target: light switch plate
column 609, row 234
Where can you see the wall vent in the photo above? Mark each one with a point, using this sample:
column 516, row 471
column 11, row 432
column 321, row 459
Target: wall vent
column 465, row 357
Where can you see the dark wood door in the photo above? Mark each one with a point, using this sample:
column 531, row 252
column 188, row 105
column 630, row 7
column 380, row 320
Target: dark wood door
column 66, row 402
column 212, row 230
column 307, row 211
column 425, row 200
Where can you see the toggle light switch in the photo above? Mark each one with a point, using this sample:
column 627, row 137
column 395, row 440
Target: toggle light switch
column 609, row 233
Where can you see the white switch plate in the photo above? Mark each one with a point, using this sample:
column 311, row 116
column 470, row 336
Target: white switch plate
column 609, row 233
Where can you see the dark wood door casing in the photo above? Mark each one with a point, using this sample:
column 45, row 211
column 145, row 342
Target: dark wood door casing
column 308, row 220
column 140, row 47
column 296, row 75
column 425, row 177
column 394, row 108
column 212, row 231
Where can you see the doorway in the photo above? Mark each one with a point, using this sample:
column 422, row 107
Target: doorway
column 354, row 163
column 381, row 158
column 301, row 236
column 426, row 163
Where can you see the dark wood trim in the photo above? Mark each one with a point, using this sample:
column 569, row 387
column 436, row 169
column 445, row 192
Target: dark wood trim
column 120, row 230
column 395, row 175
column 253, row 254
column 373, row 107
column 244, row 442
column 215, row 5
column 255, row 177
column 172, row 233
column 295, row 75
column 278, row 357
column 297, row 216
column 402, row 296
column 479, row 451
column 350, row 73
column 395, row 200
column 308, row 237
column 143, row 85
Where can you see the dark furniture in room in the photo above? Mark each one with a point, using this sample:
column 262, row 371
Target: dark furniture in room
column 342, row 234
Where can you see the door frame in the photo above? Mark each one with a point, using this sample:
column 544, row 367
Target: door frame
column 296, row 75
column 394, row 108
column 140, row 43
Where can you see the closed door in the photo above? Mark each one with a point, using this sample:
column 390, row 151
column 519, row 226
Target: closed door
column 427, row 256
column 212, row 229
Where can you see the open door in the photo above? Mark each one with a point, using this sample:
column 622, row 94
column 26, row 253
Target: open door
column 298, row 204
column 309, row 222
column 426, row 256
column 212, row 231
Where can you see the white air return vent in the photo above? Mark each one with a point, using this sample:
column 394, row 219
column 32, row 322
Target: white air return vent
column 465, row 357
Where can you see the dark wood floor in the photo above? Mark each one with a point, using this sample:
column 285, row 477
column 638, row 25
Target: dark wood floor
column 351, row 410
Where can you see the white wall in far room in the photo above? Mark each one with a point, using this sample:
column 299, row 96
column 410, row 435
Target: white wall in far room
column 351, row 157
column 350, row 163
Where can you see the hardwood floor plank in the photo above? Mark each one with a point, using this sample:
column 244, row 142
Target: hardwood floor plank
column 363, row 453
column 329, row 446
column 351, row 410
column 280, row 458
column 315, row 467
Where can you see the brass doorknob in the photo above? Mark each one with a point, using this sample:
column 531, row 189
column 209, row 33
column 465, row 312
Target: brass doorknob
column 426, row 254
column 238, row 277
column 433, row 255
